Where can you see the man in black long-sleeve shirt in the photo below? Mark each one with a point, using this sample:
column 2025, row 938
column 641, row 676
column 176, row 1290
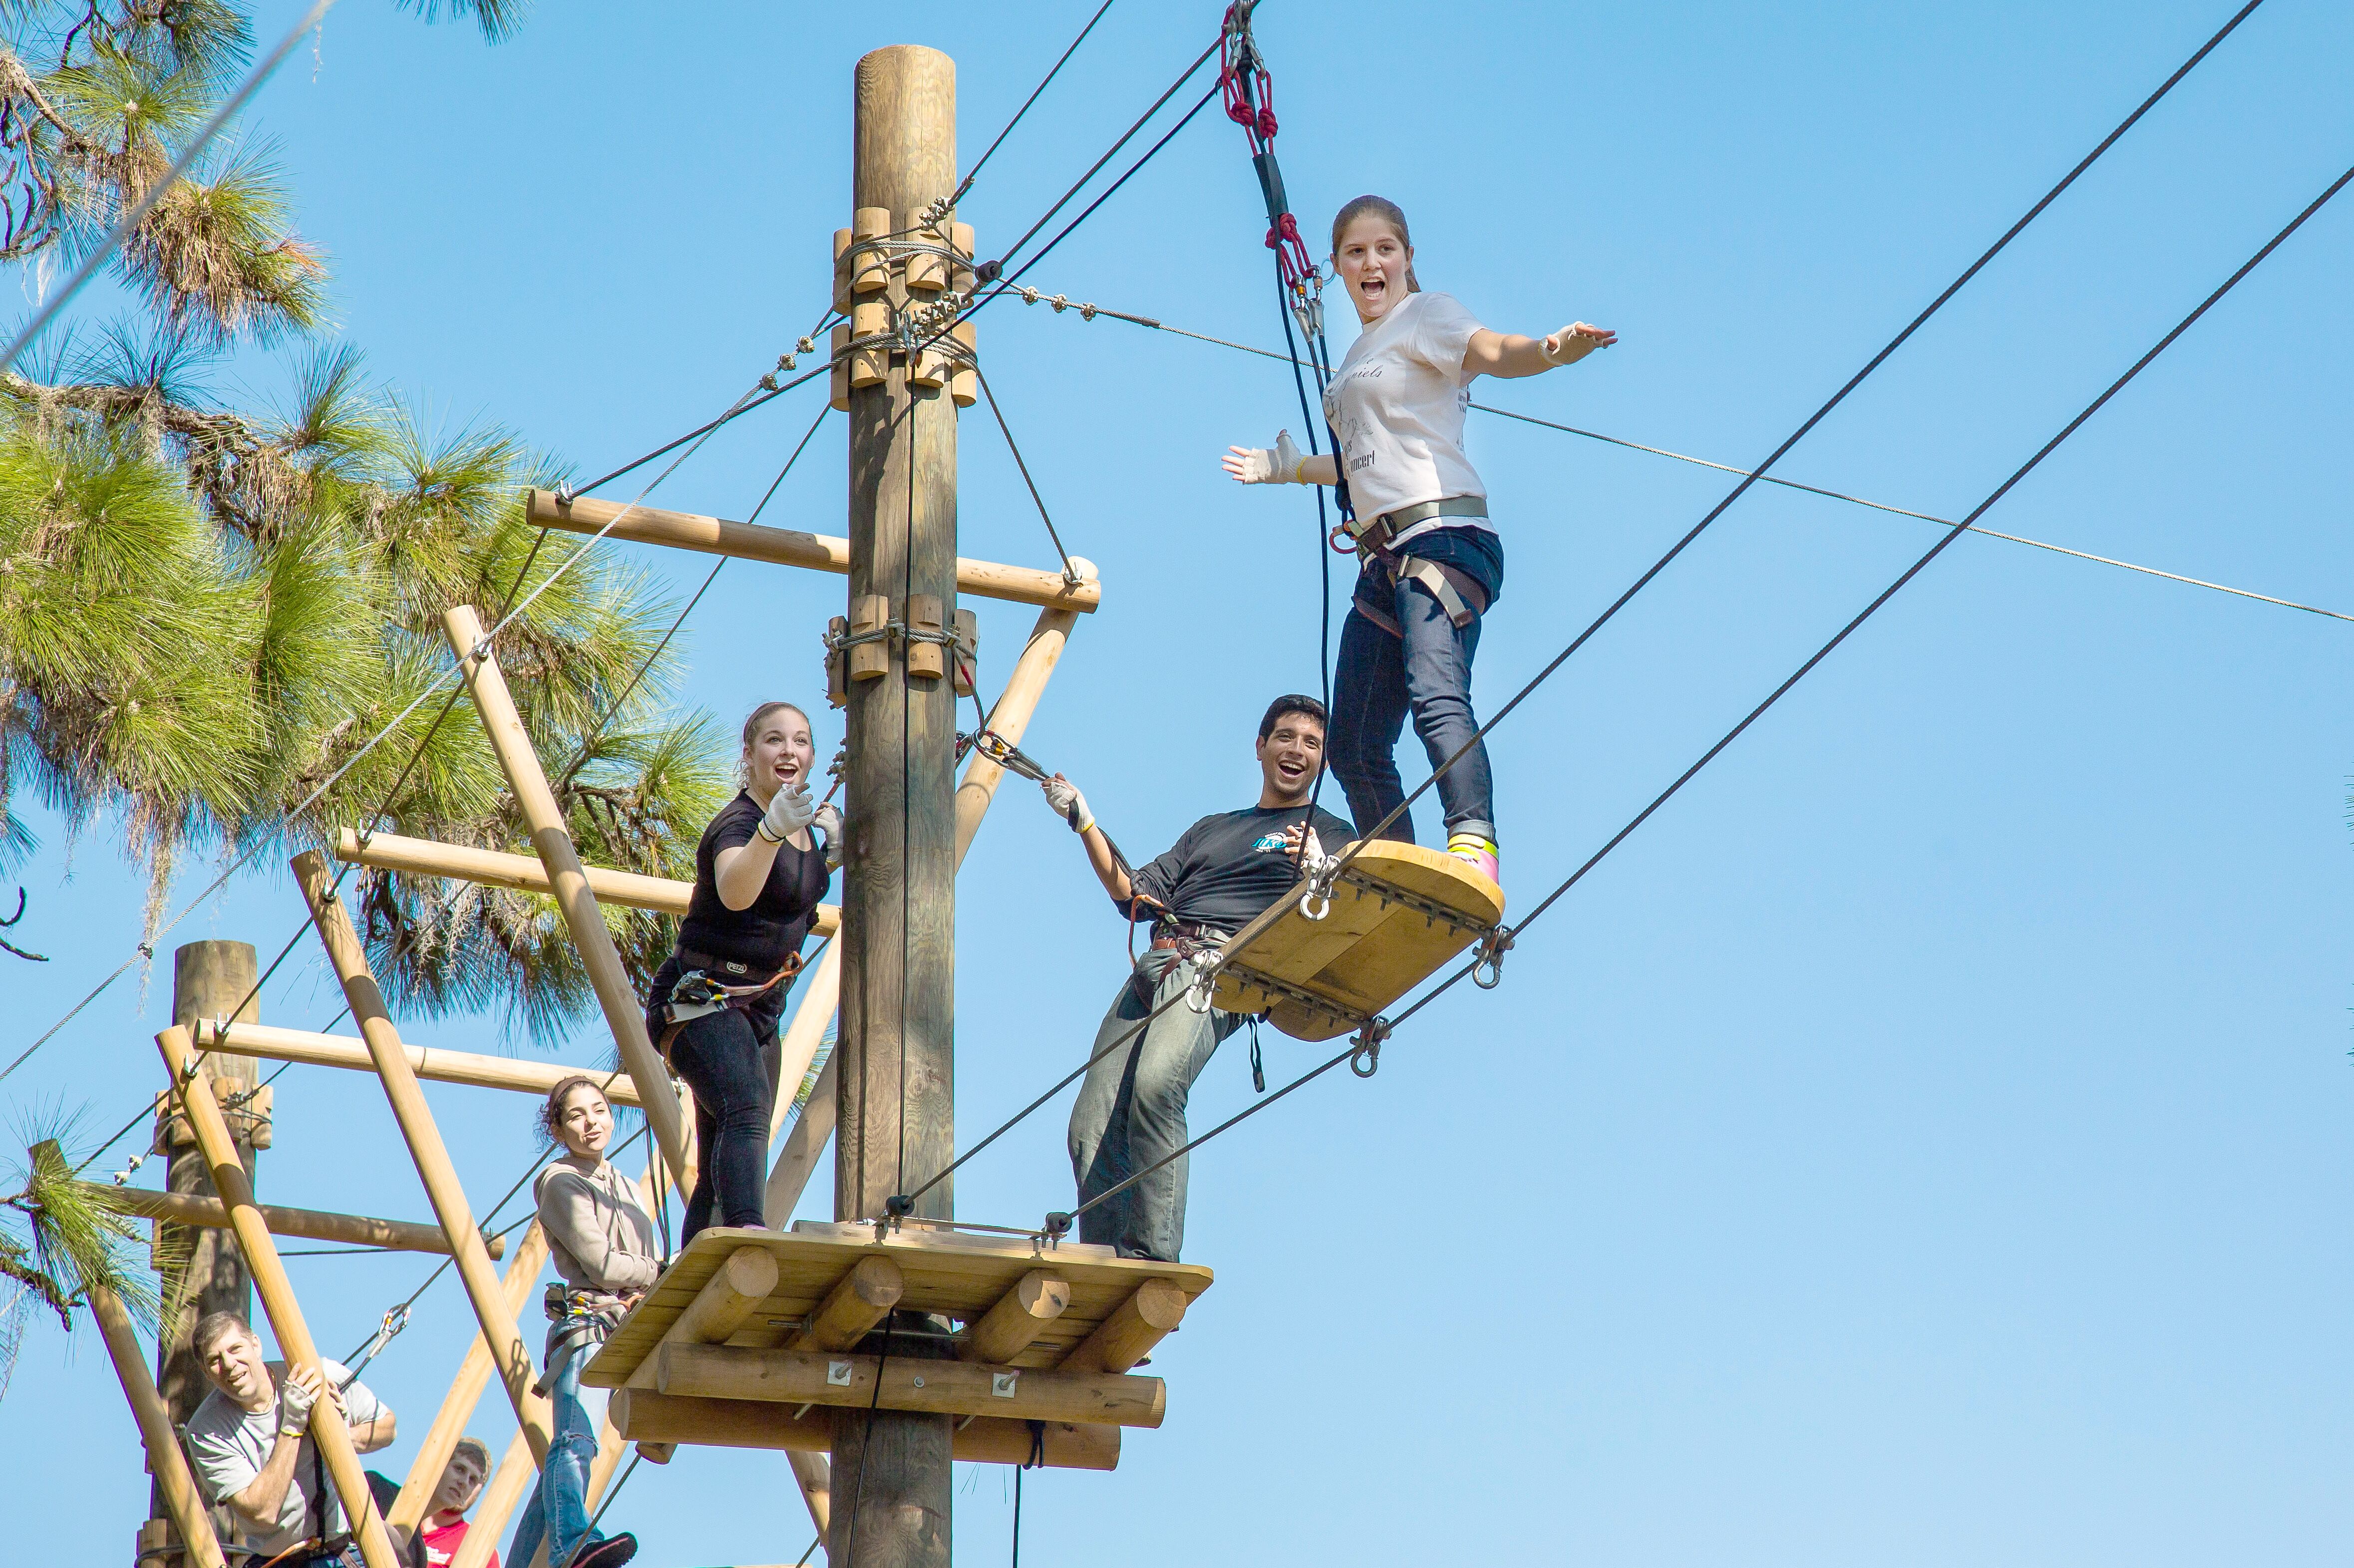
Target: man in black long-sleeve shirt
column 1220, row 875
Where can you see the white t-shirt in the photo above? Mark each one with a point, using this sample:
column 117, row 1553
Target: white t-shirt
column 1397, row 404
column 230, row 1445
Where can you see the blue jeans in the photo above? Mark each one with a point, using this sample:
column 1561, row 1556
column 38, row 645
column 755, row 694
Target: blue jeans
column 1131, row 1110
column 1426, row 669
column 559, row 1508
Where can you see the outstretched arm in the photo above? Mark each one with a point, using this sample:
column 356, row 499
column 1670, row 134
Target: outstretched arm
column 1283, row 463
column 1508, row 354
column 1072, row 807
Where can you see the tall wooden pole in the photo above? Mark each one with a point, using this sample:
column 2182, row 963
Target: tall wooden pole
column 329, row 1433
column 209, row 979
column 896, row 1082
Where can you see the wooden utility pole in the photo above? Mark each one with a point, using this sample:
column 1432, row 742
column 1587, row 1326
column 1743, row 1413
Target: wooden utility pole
column 896, row 1084
column 208, row 980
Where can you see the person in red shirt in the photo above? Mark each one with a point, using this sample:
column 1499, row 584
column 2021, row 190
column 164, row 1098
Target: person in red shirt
column 461, row 1483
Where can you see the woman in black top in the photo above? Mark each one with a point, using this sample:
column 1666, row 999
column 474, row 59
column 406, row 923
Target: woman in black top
column 759, row 872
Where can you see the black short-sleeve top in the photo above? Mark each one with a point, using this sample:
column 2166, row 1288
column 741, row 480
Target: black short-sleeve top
column 763, row 935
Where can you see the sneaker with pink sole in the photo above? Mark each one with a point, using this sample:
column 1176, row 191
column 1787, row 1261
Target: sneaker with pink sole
column 1476, row 853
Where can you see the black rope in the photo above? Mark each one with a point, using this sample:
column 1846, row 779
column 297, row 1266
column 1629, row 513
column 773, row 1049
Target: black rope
column 992, row 269
column 858, row 1483
column 1113, row 190
column 1070, row 573
column 1754, row 475
column 974, row 173
column 743, row 406
column 609, row 1496
column 1956, row 532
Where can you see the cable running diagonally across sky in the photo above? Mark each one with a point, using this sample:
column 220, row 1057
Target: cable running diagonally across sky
column 973, row 174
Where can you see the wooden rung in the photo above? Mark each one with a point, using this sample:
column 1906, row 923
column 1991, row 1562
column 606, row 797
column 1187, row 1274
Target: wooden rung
column 312, row 1049
column 642, row 1415
column 732, row 1296
column 525, row 874
column 954, row 1388
column 210, row 1214
column 852, row 1308
column 791, row 548
column 1020, row 1315
column 1127, row 1336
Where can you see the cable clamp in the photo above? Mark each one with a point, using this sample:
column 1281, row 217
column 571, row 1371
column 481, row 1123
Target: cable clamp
column 1488, row 968
column 1316, row 896
column 1366, row 1059
column 566, row 495
column 1057, row 1226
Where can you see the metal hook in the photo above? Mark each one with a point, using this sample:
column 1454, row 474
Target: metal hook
column 1490, row 960
column 1366, row 1059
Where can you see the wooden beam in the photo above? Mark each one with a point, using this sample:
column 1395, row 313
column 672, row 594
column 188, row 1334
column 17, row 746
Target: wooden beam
column 647, row 1416
column 727, row 1299
column 791, row 547
column 515, row 1476
column 851, row 1309
column 623, row 1013
column 523, row 874
column 466, row 1391
column 1020, row 1315
column 1127, row 1336
column 316, row 1050
column 1010, row 718
column 951, row 1388
column 211, row 1214
column 165, row 1462
column 329, row 1434
column 511, row 1354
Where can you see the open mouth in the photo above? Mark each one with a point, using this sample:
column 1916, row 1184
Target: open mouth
column 1291, row 772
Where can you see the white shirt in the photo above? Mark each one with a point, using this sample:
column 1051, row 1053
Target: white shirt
column 1396, row 405
column 231, row 1444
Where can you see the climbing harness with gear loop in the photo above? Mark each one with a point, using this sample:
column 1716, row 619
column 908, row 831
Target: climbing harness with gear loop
column 698, row 995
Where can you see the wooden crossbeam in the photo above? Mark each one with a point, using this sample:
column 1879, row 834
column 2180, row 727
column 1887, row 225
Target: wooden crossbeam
column 329, row 1433
column 466, row 1392
column 211, row 1214
column 901, row 1382
column 791, row 547
column 567, row 882
column 316, row 1050
column 1127, row 1336
column 645, row 1415
column 525, row 874
column 1020, row 1315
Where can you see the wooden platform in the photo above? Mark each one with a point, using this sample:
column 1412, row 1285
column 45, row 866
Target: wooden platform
column 957, row 1275
column 1398, row 912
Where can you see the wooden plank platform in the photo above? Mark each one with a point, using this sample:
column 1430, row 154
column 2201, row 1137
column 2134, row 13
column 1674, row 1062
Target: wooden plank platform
column 955, row 1274
column 1398, row 912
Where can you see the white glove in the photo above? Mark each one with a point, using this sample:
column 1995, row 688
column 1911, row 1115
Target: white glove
column 828, row 823
column 1258, row 465
column 787, row 814
column 296, row 1396
column 1065, row 797
column 1574, row 342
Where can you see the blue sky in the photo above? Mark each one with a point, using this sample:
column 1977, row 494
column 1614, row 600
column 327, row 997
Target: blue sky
column 1923, row 1140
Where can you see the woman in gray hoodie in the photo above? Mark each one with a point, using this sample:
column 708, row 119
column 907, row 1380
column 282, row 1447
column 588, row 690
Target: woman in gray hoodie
column 602, row 1242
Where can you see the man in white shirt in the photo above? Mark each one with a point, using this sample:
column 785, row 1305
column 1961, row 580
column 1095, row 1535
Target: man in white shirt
column 251, row 1441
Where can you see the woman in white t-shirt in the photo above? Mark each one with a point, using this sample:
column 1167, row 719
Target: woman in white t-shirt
column 1433, row 562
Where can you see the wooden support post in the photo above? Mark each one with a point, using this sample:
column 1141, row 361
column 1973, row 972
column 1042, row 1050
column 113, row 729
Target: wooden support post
column 316, row 1050
column 209, row 979
column 209, row 1214
column 184, row 1504
column 858, row 1301
column 789, row 547
column 520, row 763
column 848, row 1381
column 466, row 1392
column 1020, row 1315
column 645, row 1415
column 896, row 1085
column 511, row 1354
column 328, row 1432
column 496, row 868
column 514, row 1478
column 1127, row 1336
column 1010, row 717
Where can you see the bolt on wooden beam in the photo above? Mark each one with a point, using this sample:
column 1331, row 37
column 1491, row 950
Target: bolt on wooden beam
column 952, row 1388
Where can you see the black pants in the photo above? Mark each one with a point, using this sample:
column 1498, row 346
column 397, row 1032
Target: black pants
column 721, row 1057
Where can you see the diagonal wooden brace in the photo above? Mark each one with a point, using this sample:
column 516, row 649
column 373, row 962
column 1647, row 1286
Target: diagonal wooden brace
column 520, row 763
column 466, row 1391
column 510, row 1355
column 328, row 1432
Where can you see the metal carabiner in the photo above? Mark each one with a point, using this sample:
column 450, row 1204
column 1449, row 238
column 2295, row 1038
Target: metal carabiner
column 1203, row 985
column 1366, row 1059
column 1492, row 949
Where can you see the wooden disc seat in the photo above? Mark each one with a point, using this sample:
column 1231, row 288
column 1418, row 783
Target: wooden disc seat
column 1398, row 911
column 750, row 1340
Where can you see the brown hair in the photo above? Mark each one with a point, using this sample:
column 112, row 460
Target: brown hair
column 1389, row 212
column 752, row 727
column 213, row 1326
column 551, row 1115
column 476, row 1448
